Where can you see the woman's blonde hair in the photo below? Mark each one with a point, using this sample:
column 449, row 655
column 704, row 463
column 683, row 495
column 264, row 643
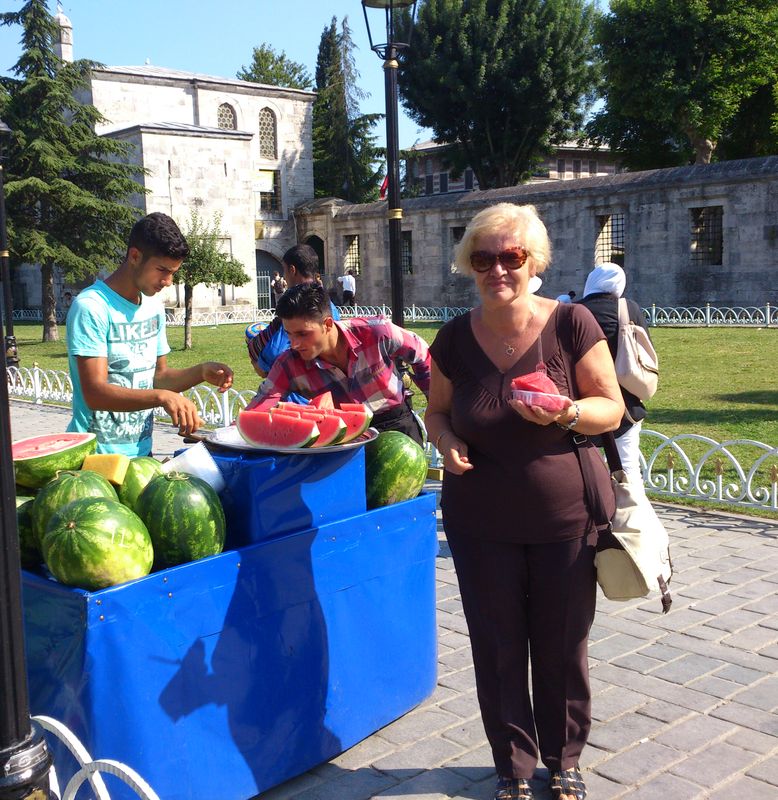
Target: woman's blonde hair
column 506, row 218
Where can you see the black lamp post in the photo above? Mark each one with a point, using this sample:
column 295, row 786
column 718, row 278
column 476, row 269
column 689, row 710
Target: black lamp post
column 11, row 353
column 388, row 52
column 24, row 757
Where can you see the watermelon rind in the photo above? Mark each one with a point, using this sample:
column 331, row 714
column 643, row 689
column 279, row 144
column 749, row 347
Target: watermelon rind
column 395, row 469
column 69, row 485
column 272, row 430
column 139, row 473
column 95, row 542
column 37, row 470
column 184, row 517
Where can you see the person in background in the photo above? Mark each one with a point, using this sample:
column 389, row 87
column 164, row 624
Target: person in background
column 567, row 297
column 301, row 265
column 278, row 287
column 513, row 499
column 117, row 347
column 605, row 284
column 349, row 284
column 355, row 360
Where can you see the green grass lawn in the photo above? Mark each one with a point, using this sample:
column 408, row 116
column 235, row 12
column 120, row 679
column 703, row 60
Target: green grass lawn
column 717, row 383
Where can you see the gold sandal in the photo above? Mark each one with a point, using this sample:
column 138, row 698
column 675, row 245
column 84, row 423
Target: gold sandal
column 513, row 789
column 567, row 783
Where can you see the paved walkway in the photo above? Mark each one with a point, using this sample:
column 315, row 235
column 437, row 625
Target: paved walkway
column 685, row 705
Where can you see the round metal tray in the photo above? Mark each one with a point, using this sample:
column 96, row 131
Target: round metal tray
column 231, row 439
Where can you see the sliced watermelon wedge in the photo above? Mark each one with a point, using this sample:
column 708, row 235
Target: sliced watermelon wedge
column 357, row 422
column 331, row 427
column 323, row 400
column 265, row 429
column 38, row 458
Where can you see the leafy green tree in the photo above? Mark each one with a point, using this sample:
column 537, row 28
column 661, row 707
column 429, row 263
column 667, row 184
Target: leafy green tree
column 344, row 151
column 499, row 80
column 683, row 68
column 275, row 69
column 206, row 263
column 753, row 131
column 68, row 190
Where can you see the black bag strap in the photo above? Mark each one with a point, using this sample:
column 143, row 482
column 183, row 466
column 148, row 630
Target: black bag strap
column 593, row 497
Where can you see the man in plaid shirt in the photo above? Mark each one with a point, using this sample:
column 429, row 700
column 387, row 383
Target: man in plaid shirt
column 356, row 360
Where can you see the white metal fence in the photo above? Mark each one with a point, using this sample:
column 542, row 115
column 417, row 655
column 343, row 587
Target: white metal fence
column 741, row 473
column 689, row 316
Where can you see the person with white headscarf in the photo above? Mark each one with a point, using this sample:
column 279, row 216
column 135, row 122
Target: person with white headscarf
column 605, row 284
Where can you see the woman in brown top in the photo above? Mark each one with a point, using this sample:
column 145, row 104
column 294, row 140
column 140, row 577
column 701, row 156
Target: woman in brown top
column 513, row 503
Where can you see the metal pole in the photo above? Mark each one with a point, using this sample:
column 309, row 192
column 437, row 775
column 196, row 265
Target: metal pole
column 394, row 212
column 24, row 757
column 11, row 353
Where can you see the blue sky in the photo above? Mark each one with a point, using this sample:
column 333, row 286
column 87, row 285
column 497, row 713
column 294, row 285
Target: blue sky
column 216, row 38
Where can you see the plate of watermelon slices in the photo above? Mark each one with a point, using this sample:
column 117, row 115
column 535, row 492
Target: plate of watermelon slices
column 230, row 437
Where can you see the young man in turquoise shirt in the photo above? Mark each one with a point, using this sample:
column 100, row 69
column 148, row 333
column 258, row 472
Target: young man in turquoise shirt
column 117, row 347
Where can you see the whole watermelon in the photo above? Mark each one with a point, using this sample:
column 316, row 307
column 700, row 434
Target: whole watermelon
column 140, row 471
column 66, row 487
column 184, row 516
column 94, row 542
column 395, row 469
column 29, row 552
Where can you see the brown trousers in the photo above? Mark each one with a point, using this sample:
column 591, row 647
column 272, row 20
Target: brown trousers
column 529, row 602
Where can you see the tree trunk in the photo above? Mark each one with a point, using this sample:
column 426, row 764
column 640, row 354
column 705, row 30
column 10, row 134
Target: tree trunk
column 703, row 149
column 49, row 303
column 188, row 316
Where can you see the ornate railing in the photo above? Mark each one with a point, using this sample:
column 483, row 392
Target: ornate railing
column 738, row 472
column 741, row 472
column 709, row 316
column 691, row 316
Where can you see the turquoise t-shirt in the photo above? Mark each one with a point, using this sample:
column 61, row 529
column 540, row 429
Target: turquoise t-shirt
column 102, row 323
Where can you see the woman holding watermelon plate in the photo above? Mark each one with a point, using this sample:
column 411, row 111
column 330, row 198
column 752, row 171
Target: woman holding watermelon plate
column 512, row 382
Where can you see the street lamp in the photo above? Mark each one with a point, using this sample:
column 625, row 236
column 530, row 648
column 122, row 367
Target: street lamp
column 11, row 353
column 24, row 757
column 388, row 52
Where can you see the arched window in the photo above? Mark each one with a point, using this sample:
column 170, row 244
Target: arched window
column 267, row 134
column 226, row 117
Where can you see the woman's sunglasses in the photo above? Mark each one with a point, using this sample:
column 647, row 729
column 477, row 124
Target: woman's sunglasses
column 514, row 258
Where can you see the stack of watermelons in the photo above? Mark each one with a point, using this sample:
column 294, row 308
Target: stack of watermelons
column 90, row 536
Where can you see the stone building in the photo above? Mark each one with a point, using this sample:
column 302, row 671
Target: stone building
column 427, row 172
column 685, row 236
column 212, row 145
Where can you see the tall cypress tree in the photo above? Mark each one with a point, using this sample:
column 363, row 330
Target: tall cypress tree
column 344, row 150
column 68, row 189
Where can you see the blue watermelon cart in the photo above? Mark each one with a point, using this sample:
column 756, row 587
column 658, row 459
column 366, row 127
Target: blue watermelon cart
column 223, row 677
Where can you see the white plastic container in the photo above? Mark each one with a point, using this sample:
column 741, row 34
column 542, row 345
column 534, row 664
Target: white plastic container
column 550, row 402
column 197, row 461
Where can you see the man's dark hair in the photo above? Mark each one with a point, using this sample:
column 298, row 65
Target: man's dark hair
column 304, row 301
column 304, row 259
column 158, row 235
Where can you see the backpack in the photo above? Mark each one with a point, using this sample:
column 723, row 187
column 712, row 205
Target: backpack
column 637, row 364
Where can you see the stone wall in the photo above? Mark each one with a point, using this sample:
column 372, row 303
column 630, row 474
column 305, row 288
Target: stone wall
column 659, row 254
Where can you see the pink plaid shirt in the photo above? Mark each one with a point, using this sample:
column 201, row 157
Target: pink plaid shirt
column 373, row 346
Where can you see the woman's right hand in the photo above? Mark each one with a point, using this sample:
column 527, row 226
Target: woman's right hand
column 454, row 452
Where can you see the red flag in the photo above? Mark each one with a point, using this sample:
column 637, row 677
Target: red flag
column 384, row 187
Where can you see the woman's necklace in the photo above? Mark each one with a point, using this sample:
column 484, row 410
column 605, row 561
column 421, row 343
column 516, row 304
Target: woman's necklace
column 508, row 347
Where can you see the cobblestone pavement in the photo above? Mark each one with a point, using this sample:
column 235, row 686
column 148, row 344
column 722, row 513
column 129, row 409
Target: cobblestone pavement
column 684, row 704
